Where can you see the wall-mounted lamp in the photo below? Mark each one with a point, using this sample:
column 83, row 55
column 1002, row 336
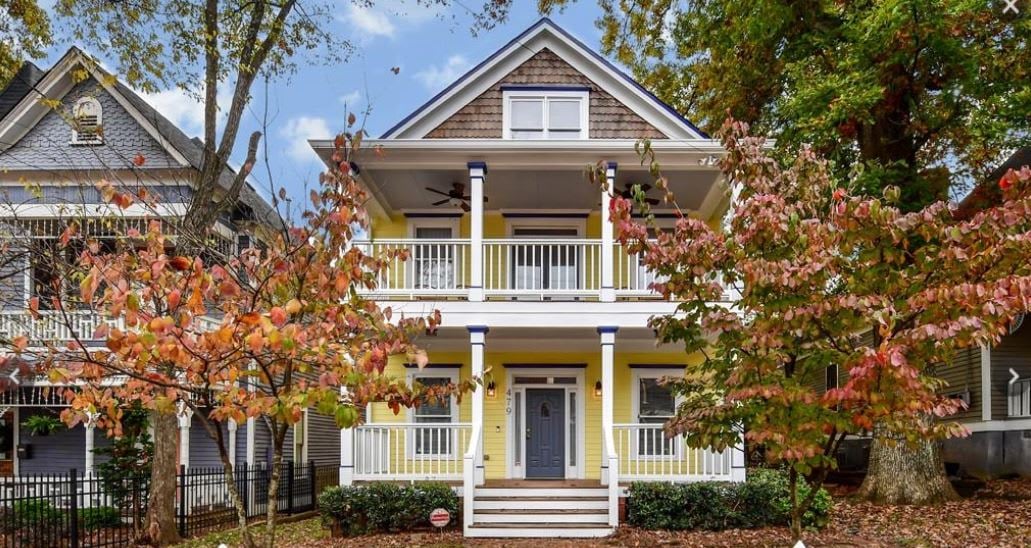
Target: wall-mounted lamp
column 491, row 389
column 597, row 389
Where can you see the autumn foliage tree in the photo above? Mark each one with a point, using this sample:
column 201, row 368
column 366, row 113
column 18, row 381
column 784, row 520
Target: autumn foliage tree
column 271, row 333
column 824, row 277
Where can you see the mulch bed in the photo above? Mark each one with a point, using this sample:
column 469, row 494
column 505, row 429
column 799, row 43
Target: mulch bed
column 997, row 515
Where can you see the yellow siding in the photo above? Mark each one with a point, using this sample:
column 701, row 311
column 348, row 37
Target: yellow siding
column 495, row 427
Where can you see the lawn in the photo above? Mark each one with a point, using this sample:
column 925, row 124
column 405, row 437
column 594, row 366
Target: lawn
column 997, row 515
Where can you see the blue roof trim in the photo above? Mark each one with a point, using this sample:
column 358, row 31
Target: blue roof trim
column 546, row 21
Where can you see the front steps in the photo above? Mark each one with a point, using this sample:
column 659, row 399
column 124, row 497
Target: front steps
column 540, row 509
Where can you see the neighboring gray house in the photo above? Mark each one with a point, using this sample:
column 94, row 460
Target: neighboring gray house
column 60, row 130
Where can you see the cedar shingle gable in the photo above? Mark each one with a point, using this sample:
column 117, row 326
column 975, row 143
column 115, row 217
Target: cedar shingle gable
column 481, row 118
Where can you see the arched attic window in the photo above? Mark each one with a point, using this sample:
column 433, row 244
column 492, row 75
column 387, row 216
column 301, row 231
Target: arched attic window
column 87, row 122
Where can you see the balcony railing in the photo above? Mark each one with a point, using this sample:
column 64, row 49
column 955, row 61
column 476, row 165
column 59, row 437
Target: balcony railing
column 511, row 269
column 647, row 453
column 1020, row 398
column 419, row 451
column 51, row 325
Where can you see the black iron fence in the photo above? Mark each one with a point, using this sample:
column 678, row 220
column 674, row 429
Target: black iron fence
column 73, row 510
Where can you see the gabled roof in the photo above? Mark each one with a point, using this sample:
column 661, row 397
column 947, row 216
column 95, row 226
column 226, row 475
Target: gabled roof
column 27, row 110
column 544, row 34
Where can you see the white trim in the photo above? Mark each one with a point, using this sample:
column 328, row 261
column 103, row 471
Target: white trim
column 415, row 223
column 543, row 35
column 544, row 222
column 545, row 97
column 571, row 472
column 986, row 383
column 61, row 211
column 999, row 425
column 452, row 375
column 635, row 405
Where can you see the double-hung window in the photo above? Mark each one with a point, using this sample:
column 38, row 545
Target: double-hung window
column 432, row 435
column 558, row 114
column 655, row 404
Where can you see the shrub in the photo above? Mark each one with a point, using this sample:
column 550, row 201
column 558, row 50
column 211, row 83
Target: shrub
column 384, row 507
column 37, row 514
column 100, row 517
column 761, row 501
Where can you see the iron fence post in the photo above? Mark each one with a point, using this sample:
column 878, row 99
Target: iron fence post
column 73, row 514
column 311, row 478
column 290, row 487
column 182, row 500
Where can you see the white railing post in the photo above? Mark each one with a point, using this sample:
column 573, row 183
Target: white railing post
column 477, row 173
column 478, row 342
column 608, row 291
column 737, row 458
column 91, row 427
column 608, row 343
column 346, row 449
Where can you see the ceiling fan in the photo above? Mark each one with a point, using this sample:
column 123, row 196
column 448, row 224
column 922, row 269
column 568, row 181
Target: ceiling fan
column 455, row 197
column 628, row 193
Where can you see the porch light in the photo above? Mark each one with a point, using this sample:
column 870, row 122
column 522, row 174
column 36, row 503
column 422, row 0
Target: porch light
column 597, row 389
column 491, row 389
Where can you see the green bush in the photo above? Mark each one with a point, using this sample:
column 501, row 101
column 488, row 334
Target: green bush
column 385, row 507
column 100, row 517
column 764, row 499
column 36, row 514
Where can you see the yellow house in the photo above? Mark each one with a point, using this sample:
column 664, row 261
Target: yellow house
column 484, row 185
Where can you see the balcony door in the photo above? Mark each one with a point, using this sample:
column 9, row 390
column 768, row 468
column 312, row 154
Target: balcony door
column 545, row 265
column 434, row 261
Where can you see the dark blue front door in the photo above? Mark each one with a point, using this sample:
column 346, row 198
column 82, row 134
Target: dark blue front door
column 545, row 433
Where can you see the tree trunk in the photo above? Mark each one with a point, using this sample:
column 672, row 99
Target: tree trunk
column 161, row 527
column 905, row 473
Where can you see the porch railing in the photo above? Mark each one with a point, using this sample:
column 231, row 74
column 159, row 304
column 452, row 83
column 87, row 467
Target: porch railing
column 631, row 276
column 433, row 267
column 410, row 451
column 541, row 268
column 647, row 453
column 1020, row 398
column 51, row 325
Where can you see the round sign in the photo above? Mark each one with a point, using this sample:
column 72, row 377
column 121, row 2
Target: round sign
column 440, row 517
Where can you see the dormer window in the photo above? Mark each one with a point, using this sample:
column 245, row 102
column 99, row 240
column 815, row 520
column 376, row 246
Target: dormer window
column 87, row 120
column 542, row 113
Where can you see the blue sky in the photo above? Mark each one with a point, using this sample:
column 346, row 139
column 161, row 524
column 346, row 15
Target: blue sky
column 431, row 46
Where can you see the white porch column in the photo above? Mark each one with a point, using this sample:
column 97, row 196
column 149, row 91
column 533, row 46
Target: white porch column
column 185, row 418
column 231, row 426
column 477, row 173
column 91, row 427
column 346, row 448
column 608, row 292
column 608, row 357
column 986, row 383
column 737, row 458
column 478, row 343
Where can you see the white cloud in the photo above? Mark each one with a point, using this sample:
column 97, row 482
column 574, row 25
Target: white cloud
column 436, row 77
column 370, row 21
column 351, row 100
column 298, row 130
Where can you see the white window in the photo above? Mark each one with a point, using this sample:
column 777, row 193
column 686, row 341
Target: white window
column 654, row 404
column 545, row 114
column 87, row 120
column 432, row 435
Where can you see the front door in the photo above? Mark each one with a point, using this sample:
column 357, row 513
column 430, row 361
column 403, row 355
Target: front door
column 7, row 427
column 545, row 433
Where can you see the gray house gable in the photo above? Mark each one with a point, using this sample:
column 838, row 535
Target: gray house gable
column 48, row 145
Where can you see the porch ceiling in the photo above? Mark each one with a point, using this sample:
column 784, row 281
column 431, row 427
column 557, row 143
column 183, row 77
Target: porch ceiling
column 533, row 340
column 405, row 189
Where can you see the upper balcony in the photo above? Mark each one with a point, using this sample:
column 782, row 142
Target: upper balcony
column 518, row 220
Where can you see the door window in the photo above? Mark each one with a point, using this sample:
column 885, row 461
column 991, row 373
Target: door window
column 545, row 265
column 434, row 262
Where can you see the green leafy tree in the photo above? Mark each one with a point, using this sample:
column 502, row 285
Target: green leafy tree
column 24, row 33
column 815, row 267
column 924, row 95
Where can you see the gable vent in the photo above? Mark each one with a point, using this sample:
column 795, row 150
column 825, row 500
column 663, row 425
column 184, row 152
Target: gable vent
column 88, row 117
